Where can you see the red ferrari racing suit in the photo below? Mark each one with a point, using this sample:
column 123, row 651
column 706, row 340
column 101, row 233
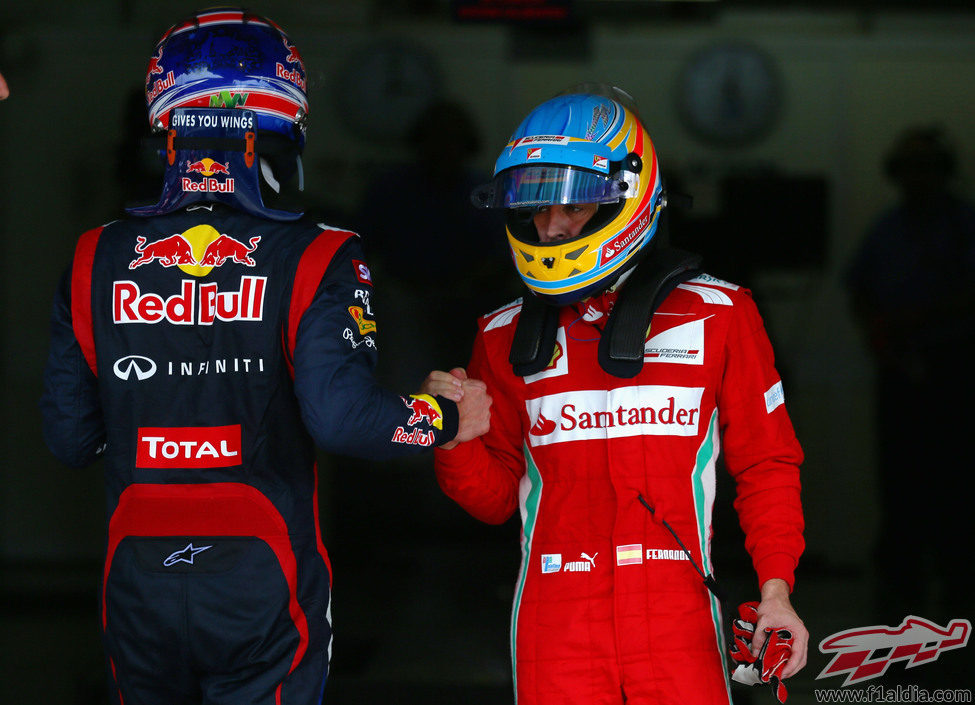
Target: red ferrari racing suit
column 607, row 608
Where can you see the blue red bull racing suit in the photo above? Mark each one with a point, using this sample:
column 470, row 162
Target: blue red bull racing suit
column 204, row 353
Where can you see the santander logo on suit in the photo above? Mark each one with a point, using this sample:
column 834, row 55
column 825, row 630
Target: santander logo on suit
column 655, row 410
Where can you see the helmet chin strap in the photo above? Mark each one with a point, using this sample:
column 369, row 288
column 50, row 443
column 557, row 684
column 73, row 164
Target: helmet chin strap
column 267, row 172
column 268, row 175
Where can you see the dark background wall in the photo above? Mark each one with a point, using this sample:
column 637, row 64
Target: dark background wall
column 843, row 80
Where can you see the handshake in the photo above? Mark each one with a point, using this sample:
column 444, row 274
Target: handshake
column 473, row 402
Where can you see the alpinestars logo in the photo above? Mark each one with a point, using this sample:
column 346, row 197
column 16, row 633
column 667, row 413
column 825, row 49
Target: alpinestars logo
column 867, row 652
column 185, row 555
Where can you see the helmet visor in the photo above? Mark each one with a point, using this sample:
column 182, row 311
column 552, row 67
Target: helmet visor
column 542, row 185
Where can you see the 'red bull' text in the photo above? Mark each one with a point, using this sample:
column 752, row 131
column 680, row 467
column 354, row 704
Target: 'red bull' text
column 207, row 185
column 195, row 304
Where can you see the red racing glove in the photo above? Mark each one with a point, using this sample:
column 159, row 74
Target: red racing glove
column 767, row 666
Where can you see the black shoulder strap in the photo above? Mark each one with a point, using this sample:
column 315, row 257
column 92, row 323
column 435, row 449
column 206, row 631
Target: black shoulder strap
column 621, row 346
column 622, row 342
column 534, row 341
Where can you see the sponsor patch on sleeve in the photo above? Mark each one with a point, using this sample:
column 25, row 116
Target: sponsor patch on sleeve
column 365, row 325
column 774, row 397
column 425, row 408
column 362, row 272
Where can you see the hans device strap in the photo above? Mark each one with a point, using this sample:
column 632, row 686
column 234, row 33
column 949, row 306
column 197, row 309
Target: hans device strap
column 621, row 345
column 534, row 342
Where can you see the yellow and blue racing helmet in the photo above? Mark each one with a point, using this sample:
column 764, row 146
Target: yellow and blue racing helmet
column 581, row 147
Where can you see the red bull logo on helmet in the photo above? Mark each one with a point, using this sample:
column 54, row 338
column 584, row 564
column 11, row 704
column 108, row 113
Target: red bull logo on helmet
column 292, row 76
column 293, row 56
column 154, row 66
column 296, row 75
column 160, row 85
column 208, row 169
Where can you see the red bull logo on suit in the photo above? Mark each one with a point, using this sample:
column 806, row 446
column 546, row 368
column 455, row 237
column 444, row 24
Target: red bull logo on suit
column 194, row 304
column 425, row 410
column 170, row 251
column 195, row 251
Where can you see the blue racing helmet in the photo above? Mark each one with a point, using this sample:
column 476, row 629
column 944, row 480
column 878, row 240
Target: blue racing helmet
column 227, row 88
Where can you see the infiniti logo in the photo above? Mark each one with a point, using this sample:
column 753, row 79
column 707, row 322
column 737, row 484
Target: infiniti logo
column 141, row 367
